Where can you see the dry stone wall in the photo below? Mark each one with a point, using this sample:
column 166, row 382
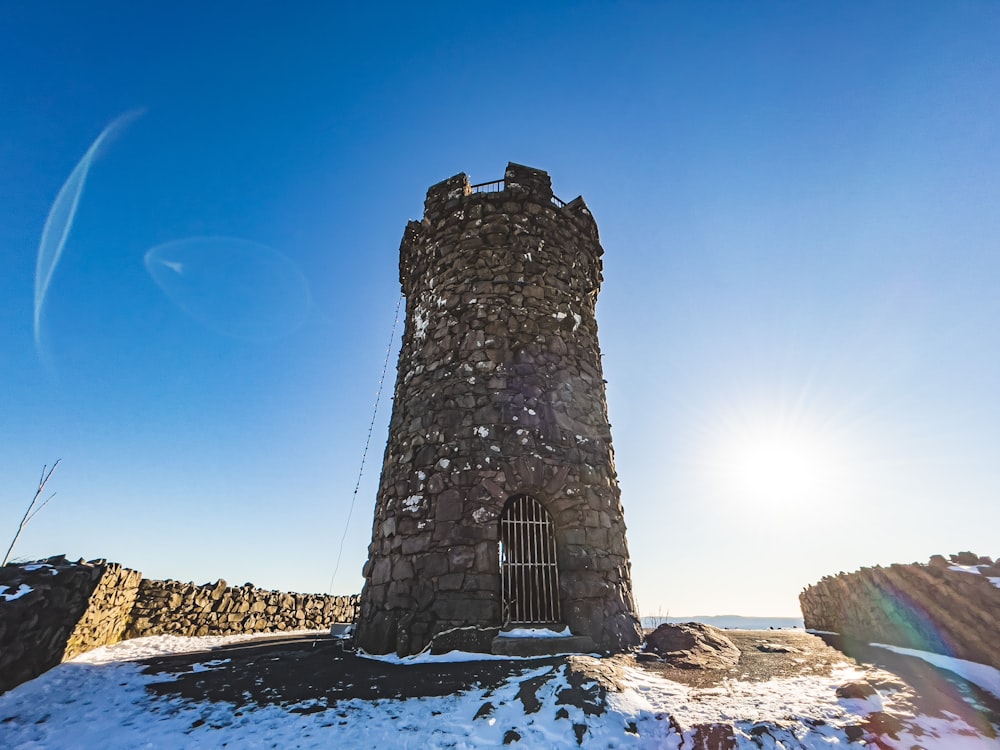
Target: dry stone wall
column 108, row 610
column 499, row 392
column 173, row 608
column 949, row 606
column 54, row 610
column 40, row 606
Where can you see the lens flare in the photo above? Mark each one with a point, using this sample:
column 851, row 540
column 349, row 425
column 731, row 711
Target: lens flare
column 235, row 287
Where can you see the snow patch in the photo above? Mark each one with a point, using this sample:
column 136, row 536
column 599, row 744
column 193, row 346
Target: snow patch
column 413, row 503
column 425, row 657
column 535, row 633
column 420, row 321
column 163, row 645
column 986, row 677
column 21, row 591
column 40, row 566
column 974, row 569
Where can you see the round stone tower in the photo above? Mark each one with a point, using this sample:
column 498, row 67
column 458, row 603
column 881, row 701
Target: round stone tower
column 498, row 503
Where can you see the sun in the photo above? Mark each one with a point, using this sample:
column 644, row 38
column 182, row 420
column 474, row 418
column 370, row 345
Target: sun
column 776, row 463
column 778, row 468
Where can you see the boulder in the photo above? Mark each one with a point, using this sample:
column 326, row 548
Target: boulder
column 692, row 645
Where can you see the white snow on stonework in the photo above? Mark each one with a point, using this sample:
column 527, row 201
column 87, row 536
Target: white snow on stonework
column 559, row 315
column 986, row 677
column 535, row 633
column 578, row 320
column 443, row 463
column 480, row 515
column 413, row 503
column 21, row 591
column 974, row 569
column 421, row 476
column 481, row 431
column 420, row 321
column 40, row 566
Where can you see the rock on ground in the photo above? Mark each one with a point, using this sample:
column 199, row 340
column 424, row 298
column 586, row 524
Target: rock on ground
column 692, row 645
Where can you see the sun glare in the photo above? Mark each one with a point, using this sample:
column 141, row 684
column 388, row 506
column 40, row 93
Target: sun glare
column 767, row 464
column 780, row 467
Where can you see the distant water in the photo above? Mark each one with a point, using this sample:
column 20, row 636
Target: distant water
column 732, row 622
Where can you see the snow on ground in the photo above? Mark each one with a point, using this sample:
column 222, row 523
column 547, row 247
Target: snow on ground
column 535, row 633
column 100, row 701
column 426, row 657
column 986, row 677
column 163, row 645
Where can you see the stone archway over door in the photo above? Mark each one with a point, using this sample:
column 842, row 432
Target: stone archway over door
column 529, row 575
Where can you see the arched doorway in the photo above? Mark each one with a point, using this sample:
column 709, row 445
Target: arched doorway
column 529, row 575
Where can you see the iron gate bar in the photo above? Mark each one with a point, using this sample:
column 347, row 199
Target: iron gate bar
column 528, row 565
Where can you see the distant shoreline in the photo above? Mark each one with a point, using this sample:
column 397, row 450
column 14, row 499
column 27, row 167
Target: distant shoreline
column 730, row 622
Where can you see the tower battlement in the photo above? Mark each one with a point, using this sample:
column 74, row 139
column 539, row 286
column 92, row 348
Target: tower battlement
column 498, row 502
column 513, row 227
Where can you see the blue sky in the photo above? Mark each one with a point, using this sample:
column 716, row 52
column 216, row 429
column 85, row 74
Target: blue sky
column 799, row 320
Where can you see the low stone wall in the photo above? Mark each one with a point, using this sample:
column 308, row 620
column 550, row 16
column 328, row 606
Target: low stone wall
column 108, row 610
column 947, row 606
column 172, row 608
column 54, row 610
column 40, row 606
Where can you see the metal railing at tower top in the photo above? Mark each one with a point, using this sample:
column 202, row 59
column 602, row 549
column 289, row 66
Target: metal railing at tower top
column 495, row 186
column 498, row 186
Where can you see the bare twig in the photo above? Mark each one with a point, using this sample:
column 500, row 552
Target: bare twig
column 35, row 511
column 29, row 514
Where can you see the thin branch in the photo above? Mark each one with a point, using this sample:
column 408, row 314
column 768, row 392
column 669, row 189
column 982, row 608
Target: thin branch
column 28, row 514
column 35, row 512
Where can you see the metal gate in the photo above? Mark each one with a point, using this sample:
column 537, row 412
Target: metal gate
column 529, row 576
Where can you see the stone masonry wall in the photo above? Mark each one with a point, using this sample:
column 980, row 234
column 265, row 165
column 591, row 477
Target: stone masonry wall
column 499, row 391
column 108, row 611
column 173, row 608
column 54, row 610
column 948, row 607
column 40, row 606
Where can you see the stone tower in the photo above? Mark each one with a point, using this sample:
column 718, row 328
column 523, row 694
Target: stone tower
column 498, row 503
